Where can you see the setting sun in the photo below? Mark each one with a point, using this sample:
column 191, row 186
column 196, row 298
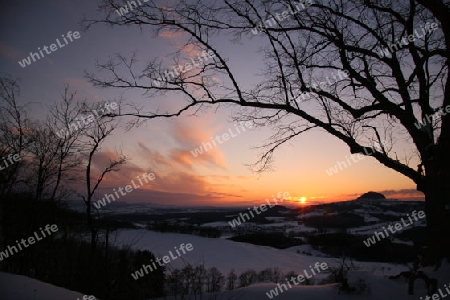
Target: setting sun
column 299, row 199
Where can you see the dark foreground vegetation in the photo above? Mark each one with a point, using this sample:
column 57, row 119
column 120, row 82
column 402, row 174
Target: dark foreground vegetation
column 67, row 259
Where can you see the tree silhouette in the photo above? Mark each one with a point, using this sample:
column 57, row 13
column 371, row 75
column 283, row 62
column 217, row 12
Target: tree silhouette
column 95, row 135
column 371, row 73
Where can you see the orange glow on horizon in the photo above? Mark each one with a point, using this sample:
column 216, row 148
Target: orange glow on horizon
column 298, row 199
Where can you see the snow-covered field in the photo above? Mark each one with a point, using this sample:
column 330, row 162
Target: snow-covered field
column 16, row 287
column 370, row 229
column 227, row 255
column 379, row 288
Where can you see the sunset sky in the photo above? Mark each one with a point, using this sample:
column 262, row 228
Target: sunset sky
column 218, row 177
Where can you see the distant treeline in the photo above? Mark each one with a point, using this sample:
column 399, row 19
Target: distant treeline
column 337, row 244
column 338, row 221
column 164, row 226
column 275, row 240
column 192, row 281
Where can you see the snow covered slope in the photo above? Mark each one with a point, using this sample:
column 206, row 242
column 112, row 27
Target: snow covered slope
column 226, row 255
column 16, row 287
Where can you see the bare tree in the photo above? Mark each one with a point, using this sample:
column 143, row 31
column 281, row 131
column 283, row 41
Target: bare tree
column 401, row 93
column 199, row 280
column 231, row 280
column 95, row 134
column 248, row 277
column 13, row 135
column 216, row 281
column 69, row 143
column 173, row 283
column 43, row 151
column 13, row 143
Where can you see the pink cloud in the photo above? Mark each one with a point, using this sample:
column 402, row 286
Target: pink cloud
column 176, row 169
column 192, row 135
column 171, row 34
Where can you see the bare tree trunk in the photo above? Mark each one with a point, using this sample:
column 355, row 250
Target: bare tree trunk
column 437, row 199
column 91, row 227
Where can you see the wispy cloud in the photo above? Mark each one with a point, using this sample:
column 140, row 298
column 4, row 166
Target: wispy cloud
column 189, row 136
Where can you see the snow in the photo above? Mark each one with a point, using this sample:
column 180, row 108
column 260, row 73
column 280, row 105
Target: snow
column 275, row 219
column 258, row 292
column 226, row 255
column 398, row 241
column 370, row 229
column 316, row 213
column 301, row 228
column 282, row 224
column 378, row 288
column 216, row 224
column 307, row 250
column 369, row 218
column 17, row 287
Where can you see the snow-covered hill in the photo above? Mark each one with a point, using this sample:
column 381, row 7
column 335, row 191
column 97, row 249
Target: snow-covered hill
column 16, row 287
column 227, row 255
column 380, row 288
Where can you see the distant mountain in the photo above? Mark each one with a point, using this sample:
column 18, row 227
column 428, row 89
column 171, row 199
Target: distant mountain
column 371, row 196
